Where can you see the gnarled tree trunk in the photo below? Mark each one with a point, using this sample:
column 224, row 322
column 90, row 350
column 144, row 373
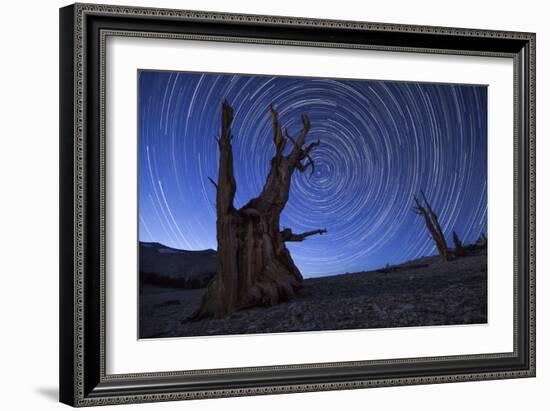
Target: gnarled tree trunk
column 254, row 265
column 432, row 224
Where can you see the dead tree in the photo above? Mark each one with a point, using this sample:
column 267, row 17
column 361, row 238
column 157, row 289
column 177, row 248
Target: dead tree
column 433, row 226
column 254, row 265
column 460, row 251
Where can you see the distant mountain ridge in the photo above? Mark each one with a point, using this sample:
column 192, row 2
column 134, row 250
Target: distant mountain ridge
column 163, row 265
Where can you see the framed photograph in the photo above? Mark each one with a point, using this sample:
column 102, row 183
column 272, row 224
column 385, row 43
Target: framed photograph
column 260, row 204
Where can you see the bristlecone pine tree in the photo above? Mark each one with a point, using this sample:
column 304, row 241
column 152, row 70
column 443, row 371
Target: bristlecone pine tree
column 432, row 224
column 254, row 266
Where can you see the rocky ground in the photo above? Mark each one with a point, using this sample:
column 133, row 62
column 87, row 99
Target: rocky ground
column 423, row 292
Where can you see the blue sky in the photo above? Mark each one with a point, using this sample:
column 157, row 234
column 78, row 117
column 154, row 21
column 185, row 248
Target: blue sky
column 381, row 143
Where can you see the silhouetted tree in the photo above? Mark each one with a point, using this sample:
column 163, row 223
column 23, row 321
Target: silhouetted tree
column 254, row 265
column 460, row 251
column 432, row 224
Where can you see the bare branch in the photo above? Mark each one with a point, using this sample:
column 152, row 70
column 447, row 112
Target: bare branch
column 306, row 125
column 311, row 146
column 278, row 139
column 288, row 235
column 432, row 224
column 213, row 182
column 283, row 166
column 227, row 119
column 303, row 167
column 418, row 209
column 428, row 204
column 287, row 135
column 433, row 215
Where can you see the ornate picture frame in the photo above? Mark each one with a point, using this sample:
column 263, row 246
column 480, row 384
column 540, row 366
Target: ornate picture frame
column 84, row 31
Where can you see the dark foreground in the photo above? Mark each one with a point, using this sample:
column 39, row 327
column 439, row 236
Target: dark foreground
column 419, row 293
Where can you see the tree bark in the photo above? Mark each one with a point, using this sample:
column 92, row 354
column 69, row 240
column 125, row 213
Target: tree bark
column 254, row 265
column 432, row 224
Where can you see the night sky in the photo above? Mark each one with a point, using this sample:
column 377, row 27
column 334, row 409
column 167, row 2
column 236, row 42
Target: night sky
column 381, row 143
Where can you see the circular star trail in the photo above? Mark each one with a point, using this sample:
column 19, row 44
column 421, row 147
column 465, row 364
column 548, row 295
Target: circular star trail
column 381, row 143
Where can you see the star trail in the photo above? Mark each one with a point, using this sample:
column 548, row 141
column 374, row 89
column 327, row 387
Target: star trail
column 381, row 143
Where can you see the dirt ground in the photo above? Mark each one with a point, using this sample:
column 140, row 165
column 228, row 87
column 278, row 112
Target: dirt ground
column 419, row 293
